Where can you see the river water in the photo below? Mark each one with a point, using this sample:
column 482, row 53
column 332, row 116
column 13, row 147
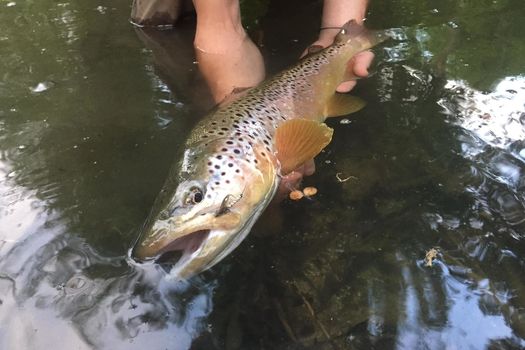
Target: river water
column 93, row 111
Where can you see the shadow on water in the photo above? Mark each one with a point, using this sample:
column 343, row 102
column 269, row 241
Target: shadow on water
column 92, row 113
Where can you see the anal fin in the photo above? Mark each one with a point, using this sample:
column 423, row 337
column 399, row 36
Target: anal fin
column 343, row 104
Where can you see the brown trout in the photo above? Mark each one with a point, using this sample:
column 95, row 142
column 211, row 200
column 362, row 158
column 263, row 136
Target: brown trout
column 235, row 157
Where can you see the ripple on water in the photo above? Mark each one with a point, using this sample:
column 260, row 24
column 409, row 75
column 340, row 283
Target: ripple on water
column 493, row 139
column 496, row 117
column 96, row 300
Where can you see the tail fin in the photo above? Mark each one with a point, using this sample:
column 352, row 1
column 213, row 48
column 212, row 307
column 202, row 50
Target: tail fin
column 351, row 30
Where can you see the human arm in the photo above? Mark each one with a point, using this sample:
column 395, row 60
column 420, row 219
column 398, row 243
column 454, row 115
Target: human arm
column 227, row 58
column 335, row 14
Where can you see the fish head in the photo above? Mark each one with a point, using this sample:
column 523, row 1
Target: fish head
column 208, row 205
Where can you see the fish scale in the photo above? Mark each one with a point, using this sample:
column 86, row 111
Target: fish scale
column 255, row 119
column 236, row 156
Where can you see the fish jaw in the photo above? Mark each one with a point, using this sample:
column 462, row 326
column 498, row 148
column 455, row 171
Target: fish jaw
column 205, row 234
column 202, row 246
column 179, row 234
column 215, row 247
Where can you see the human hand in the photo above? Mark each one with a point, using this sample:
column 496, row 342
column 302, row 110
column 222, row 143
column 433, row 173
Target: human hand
column 238, row 65
column 227, row 58
column 292, row 180
column 357, row 66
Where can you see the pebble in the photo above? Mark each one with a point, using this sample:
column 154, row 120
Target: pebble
column 296, row 195
column 310, row 191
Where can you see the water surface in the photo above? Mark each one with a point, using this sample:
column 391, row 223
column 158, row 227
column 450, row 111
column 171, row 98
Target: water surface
column 93, row 112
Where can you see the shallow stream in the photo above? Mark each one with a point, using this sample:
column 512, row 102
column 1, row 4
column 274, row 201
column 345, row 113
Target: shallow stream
column 93, row 111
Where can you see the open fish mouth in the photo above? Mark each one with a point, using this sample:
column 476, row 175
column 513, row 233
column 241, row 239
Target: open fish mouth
column 182, row 248
column 189, row 243
column 179, row 249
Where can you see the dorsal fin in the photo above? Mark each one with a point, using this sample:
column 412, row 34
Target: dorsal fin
column 299, row 140
column 235, row 94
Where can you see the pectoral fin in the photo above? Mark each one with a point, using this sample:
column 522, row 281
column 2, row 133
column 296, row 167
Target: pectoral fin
column 343, row 104
column 299, row 140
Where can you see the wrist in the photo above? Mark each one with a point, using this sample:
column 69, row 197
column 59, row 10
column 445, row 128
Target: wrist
column 338, row 12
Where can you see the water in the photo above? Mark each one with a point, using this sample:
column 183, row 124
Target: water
column 92, row 114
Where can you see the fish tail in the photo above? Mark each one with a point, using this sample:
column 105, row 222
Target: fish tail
column 351, row 31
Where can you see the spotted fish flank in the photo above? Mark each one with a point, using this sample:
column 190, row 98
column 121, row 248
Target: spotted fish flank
column 236, row 156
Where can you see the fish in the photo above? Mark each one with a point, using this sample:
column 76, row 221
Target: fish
column 235, row 157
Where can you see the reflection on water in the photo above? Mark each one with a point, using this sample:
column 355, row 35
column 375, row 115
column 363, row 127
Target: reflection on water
column 494, row 138
column 497, row 118
column 92, row 114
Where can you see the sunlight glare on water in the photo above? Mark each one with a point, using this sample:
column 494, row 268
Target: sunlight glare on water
column 93, row 113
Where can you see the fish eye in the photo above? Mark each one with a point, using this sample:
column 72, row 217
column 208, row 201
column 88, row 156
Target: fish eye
column 194, row 196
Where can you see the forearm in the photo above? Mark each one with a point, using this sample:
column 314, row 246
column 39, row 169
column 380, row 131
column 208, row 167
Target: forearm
column 338, row 12
column 218, row 25
column 227, row 58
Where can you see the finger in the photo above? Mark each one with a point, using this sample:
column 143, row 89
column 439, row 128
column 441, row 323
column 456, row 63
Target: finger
column 309, row 167
column 358, row 66
column 346, row 86
column 361, row 62
column 292, row 180
column 315, row 47
column 288, row 183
